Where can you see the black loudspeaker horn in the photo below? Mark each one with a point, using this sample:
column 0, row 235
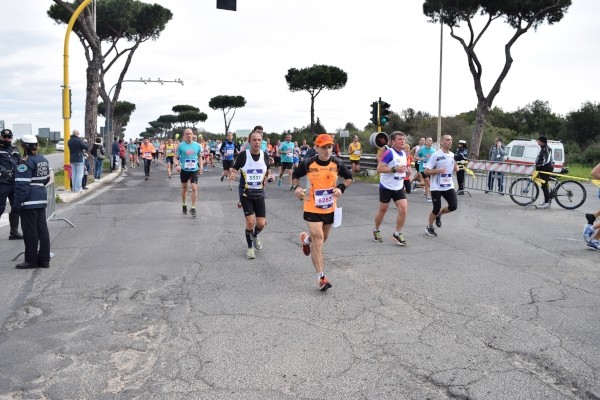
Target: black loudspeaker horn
column 379, row 139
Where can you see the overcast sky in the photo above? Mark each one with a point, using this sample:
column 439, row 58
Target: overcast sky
column 387, row 47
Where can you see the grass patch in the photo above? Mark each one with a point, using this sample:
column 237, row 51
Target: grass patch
column 367, row 178
column 581, row 171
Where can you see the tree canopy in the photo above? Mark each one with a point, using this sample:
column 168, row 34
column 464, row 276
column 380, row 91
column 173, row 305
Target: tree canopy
column 121, row 114
column 313, row 80
column 226, row 104
column 116, row 21
column 521, row 15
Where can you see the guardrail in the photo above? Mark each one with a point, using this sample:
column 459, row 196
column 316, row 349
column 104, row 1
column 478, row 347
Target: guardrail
column 367, row 161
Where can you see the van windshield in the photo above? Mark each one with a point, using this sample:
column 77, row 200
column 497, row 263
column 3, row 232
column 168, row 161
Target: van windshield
column 517, row 151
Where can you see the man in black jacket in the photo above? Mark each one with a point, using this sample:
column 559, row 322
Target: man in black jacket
column 544, row 162
column 9, row 158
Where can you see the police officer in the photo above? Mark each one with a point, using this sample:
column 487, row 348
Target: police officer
column 461, row 155
column 33, row 173
column 9, row 158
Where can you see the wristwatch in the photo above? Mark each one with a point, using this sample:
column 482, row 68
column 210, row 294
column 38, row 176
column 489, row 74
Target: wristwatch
column 393, row 170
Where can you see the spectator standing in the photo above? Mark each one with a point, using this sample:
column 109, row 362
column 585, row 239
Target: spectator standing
column 76, row 147
column 497, row 153
column 114, row 152
column 99, row 155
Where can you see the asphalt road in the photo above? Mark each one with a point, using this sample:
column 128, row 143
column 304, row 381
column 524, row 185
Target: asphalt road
column 143, row 302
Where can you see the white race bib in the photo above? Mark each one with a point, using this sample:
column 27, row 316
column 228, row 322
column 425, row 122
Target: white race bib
column 445, row 180
column 324, row 198
column 189, row 164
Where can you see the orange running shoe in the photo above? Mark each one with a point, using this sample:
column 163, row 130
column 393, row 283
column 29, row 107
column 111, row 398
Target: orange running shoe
column 324, row 284
column 305, row 247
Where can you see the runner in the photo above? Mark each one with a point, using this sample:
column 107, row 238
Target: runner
column 189, row 155
column 169, row 154
column 440, row 168
column 147, row 151
column 423, row 156
column 322, row 173
column 132, row 150
column 228, row 152
column 286, row 150
column 418, row 177
column 354, row 153
column 393, row 168
column 253, row 163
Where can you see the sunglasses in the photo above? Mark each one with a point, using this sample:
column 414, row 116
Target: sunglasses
column 7, row 136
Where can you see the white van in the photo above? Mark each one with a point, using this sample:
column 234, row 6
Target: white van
column 525, row 151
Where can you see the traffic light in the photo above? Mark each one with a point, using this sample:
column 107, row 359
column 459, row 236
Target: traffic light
column 384, row 112
column 375, row 113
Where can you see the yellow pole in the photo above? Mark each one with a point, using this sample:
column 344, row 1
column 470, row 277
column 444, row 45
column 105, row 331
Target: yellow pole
column 66, row 92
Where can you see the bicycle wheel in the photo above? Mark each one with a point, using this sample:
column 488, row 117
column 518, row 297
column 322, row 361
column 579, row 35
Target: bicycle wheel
column 569, row 194
column 523, row 191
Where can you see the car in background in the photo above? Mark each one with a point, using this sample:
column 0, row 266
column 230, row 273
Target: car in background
column 60, row 145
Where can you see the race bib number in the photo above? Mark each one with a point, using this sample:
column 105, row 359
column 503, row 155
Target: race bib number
column 446, row 180
column 289, row 154
column 170, row 152
column 146, row 154
column 324, row 198
column 189, row 164
column 229, row 152
column 357, row 152
column 254, row 178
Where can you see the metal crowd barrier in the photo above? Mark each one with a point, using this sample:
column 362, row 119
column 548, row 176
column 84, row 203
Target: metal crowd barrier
column 51, row 197
column 496, row 177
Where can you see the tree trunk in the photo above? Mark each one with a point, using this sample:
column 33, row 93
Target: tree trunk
column 483, row 110
column 312, row 115
column 91, row 100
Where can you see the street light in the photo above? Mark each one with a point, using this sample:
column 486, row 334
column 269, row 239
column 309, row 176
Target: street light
column 108, row 111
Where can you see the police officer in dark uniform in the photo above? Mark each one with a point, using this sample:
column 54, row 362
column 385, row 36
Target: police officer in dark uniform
column 461, row 155
column 9, row 158
column 31, row 199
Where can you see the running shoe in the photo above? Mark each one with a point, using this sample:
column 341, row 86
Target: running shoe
column 250, row 254
column 184, row 209
column 588, row 233
column 438, row 221
column 146, row 178
column 428, row 200
column 323, row 284
column 413, row 186
column 256, row 242
column 222, row 177
column 193, row 212
column 430, row 231
column 594, row 244
column 305, row 247
column 291, row 187
column 544, row 205
column 279, row 183
column 377, row 236
column 399, row 239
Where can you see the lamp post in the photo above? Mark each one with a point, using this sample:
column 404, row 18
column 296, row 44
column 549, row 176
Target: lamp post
column 439, row 122
column 108, row 110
